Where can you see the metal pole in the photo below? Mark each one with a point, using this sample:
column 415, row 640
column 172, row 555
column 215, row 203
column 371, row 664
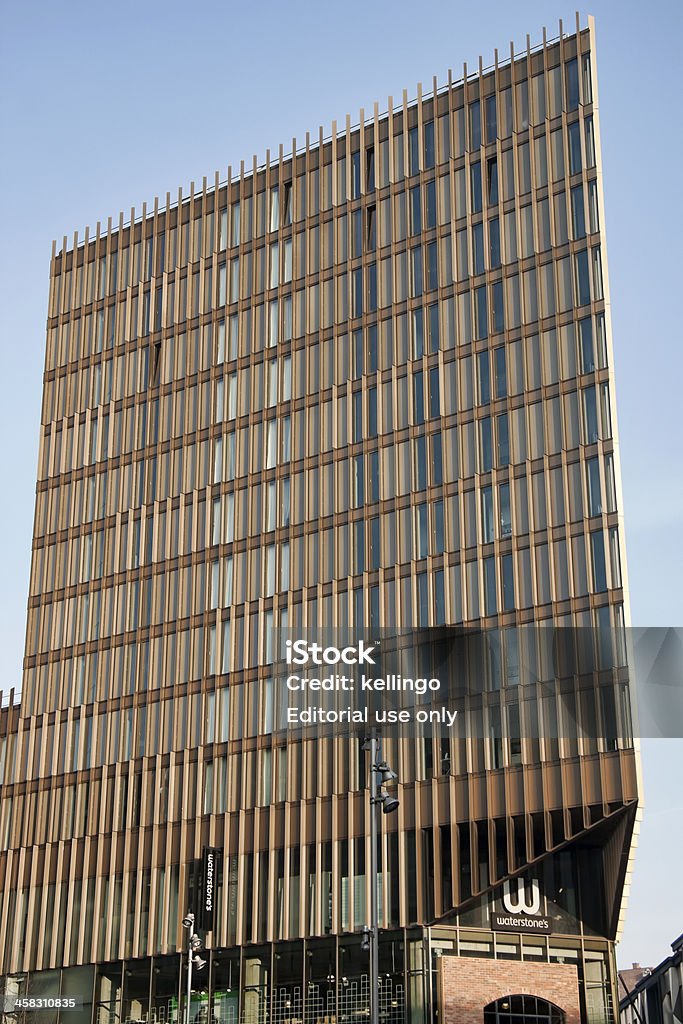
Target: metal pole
column 374, row 923
column 189, row 976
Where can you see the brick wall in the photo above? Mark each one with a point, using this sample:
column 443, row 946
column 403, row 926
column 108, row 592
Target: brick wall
column 468, row 984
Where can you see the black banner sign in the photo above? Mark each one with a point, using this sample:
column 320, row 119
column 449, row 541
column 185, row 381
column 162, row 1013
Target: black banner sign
column 208, row 887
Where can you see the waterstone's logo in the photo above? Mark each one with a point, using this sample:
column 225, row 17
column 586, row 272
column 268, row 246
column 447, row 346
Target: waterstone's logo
column 522, row 903
column 519, row 904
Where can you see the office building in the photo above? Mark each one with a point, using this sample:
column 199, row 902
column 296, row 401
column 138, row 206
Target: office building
column 368, row 382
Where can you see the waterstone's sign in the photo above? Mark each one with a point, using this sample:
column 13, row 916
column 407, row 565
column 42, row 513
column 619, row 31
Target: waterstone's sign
column 208, row 890
column 521, row 909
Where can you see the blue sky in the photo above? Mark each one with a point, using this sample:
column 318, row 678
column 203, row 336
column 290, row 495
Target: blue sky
column 106, row 106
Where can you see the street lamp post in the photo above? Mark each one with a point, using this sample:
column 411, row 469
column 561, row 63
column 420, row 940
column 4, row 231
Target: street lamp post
column 380, row 774
column 194, row 943
column 374, row 910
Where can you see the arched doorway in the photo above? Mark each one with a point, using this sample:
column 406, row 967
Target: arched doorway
column 523, row 1010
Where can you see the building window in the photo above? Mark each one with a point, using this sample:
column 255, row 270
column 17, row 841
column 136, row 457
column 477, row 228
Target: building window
column 587, row 78
column 487, row 515
column 491, row 119
column 574, row 132
column 371, row 229
column 372, row 412
column 421, row 531
column 422, row 587
column 436, row 460
column 480, row 313
column 497, row 307
column 490, row 603
column 358, row 292
column 413, row 151
column 274, row 265
column 355, row 175
column 593, row 486
column 416, row 271
column 485, row 444
column 475, row 125
column 270, row 571
column 358, row 546
column 415, row 210
column 439, row 598
column 358, row 354
column 589, row 131
column 357, row 415
column 515, row 1009
column 610, row 484
column 582, row 278
column 433, row 327
column 287, row 204
column 494, row 243
column 429, row 145
column 432, row 267
column 274, row 208
column 286, row 379
column 271, row 448
column 357, row 233
column 287, row 269
column 434, row 393
column 572, row 83
column 373, row 470
column 508, row 583
column 590, row 415
column 483, row 377
column 475, row 187
column 418, row 398
column 418, row 333
column 492, row 180
column 430, row 205
column 598, row 561
column 273, row 323
column 597, row 272
column 358, row 469
column 586, row 356
column 578, row 215
column 375, row 543
column 503, row 440
column 372, row 349
column 478, row 248
column 500, row 372
column 504, row 511
column 420, row 464
column 372, row 287
column 370, row 169
column 439, row 532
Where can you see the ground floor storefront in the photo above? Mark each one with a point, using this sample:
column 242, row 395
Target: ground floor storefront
column 444, row 974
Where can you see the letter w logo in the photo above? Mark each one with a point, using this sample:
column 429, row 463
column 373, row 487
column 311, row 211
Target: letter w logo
column 519, row 905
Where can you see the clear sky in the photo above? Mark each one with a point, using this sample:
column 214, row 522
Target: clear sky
column 105, row 106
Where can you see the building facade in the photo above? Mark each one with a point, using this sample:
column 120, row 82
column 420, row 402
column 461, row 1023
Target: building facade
column 657, row 997
column 368, row 382
column 629, row 978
